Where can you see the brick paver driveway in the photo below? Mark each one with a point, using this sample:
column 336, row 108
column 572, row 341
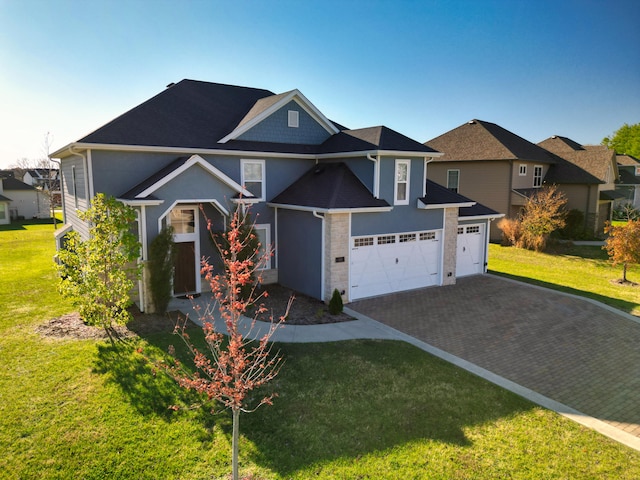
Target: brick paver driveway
column 567, row 349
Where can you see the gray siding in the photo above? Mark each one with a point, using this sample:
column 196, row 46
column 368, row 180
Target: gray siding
column 300, row 252
column 73, row 191
column 405, row 218
column 387, row 179
column 275, row 128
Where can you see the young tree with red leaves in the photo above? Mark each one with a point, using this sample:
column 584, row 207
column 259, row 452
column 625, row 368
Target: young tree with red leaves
column 623, row 244
column 232, row 367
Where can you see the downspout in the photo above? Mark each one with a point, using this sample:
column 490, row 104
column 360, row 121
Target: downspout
column 275, row 221
column 376, row 174
column 322, row 257
column 427, row 160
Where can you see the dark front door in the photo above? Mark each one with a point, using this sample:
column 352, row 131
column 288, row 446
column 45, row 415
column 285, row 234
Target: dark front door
column 184, row 276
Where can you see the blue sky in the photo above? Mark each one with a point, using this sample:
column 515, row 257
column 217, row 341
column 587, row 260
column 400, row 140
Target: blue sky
column 537, row 68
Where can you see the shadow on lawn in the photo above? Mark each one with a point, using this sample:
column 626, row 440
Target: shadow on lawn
column 622, row 305
column 353, row 398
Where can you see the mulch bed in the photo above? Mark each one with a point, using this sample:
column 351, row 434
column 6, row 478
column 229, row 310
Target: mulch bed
column 304, row 311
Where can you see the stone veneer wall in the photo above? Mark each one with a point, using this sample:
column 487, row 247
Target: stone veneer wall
column 336, row 245
column 450, row 246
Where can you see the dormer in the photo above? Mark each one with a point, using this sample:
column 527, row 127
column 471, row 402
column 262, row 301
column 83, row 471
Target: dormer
column 285, row 118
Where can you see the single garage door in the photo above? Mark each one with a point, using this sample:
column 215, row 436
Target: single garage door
column 471, row 251
column 392, row 263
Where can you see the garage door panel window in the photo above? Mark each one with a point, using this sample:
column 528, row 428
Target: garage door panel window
column 363, row 242
column 386, row 239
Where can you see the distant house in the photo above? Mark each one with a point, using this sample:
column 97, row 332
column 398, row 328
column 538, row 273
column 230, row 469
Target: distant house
column 597, row 160
column 342, row 209
column 24, row 201
column 484, row 161
column 629, row 186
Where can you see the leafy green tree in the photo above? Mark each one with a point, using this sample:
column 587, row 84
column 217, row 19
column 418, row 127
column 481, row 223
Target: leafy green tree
column 623, row 244
column 162, row 252
column 98, row 273
column 625, row 140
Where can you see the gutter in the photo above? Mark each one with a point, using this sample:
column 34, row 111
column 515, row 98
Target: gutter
column 376, row 174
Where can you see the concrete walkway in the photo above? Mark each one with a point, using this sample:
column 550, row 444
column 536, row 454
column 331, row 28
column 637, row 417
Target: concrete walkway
column 566, row 353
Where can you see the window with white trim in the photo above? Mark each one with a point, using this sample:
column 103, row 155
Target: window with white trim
column 293, row 118
column 453, row 180
column 523, row 170
column 401, row 188
column 427, row 236
column 263, row 231
column 407, row 237
column 537, row 176
column 252, row 177
column 3, row 211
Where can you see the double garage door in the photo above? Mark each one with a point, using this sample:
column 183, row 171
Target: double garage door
column 392, row 263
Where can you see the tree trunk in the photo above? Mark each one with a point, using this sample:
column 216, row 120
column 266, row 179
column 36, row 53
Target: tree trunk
column 234, row 442
column 624, row 272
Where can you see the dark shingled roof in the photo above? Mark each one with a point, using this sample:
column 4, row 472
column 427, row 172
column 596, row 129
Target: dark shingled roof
column 627, row 160
column 565, row 172
column 195, row 114
column 4, row 199
column 594, row 159
column 156, row 177
column 480, row 140
column 11, row 183
column 439, row 195
column 329, row 186
column 373, row 138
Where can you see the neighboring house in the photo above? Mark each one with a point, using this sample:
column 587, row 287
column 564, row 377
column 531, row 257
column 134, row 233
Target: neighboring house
column 629, row 186
column 600, row 162
column 496, row 167
column 25, row 202
column 47, row 181
column 4, row 205
column 342, row 209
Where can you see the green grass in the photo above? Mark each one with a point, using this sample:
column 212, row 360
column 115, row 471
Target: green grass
column 580, row 270
column 359, row 409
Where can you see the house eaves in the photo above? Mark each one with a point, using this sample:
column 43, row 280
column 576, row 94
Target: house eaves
column 330, row 210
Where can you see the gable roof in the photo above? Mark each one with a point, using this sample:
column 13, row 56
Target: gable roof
column 595, row 159
column 145, row 189
column 627, row 160
column 480, row 140
column 328, row 186
column 437, row 196
column 268, row 105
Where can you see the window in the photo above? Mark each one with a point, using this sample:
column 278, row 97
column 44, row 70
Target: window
column 638, row 171
column 386, row 239
column 363, row 242
column 253, row 177
column 460, row 230
column 294, row 118
column 523, row 170
column 183, row 220
column 3, row 211
column 427, row 236
column 74, row 186
column 453, row 180
column 537, row 176
column 474, row 229
column 263, row 231
column 401, row 191
column 407, row 237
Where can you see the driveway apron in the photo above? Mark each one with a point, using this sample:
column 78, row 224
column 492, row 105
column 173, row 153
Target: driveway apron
column 568, row 349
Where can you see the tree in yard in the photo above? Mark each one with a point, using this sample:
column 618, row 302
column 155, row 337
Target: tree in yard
column 625, row 140
column 98, row 273
column 623, row 244
column 542, row 214
column 232, row 366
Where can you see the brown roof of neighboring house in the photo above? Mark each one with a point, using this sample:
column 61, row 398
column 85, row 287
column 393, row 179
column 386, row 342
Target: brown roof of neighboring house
column 595, row 159
column 480, row 140
column 627, row 160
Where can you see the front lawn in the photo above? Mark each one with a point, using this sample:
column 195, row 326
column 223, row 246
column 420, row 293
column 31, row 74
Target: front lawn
column 580, row 270
column 358, row 409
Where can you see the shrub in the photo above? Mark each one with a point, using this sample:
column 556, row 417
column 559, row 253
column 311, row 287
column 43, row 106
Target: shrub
column 574, row 225
column 626, row 212
column 335, row 304
column 511, row 231
column 161, row 258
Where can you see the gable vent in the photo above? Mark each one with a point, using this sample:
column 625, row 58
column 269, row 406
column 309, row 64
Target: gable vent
column 294, row 118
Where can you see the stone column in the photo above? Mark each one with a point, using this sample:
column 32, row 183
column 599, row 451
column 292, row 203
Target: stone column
column 336, row 260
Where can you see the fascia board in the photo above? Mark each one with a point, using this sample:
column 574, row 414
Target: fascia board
column 195, row 160
column 141, row 202
column 423, row 206
column 387, row 153
column 330, row 210
column 480, row 217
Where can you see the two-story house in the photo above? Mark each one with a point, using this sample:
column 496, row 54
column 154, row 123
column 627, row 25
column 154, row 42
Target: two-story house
column 341, row 209
column 500, row 169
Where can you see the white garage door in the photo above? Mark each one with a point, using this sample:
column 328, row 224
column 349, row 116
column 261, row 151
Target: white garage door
column 392, row 263
column 470, row 256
